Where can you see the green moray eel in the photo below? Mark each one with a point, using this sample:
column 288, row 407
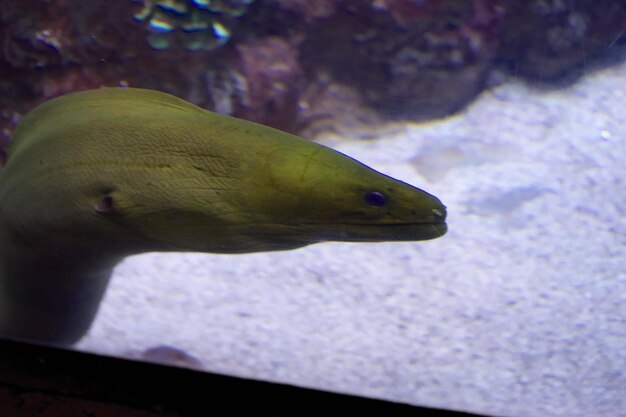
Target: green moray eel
column 95, row 176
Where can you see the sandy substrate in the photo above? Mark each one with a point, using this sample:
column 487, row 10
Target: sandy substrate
column 520, row 310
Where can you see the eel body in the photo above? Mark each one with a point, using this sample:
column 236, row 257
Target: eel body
column 95, row 176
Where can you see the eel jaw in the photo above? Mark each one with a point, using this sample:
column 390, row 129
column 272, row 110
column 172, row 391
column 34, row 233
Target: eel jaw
column 429, row 227
column 390, row 232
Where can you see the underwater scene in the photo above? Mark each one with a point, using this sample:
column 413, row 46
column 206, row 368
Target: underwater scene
column 421, row 201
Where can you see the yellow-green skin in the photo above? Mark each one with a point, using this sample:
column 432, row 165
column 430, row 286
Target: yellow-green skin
column 95, row 176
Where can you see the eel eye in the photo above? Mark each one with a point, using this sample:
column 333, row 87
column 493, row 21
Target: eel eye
column 376, row 199
column 105, row 205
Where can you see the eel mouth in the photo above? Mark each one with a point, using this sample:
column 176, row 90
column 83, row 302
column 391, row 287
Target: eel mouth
column 391, row 232
column 288, row 236
column 428, row 227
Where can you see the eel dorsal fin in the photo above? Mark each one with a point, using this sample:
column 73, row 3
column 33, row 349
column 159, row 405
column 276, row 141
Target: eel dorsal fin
column 111, row 100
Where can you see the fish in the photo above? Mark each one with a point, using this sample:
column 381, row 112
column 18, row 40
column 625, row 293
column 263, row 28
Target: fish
column 95, row 176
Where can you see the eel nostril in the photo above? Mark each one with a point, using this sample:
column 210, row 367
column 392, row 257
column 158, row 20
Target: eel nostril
column 440, row 214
